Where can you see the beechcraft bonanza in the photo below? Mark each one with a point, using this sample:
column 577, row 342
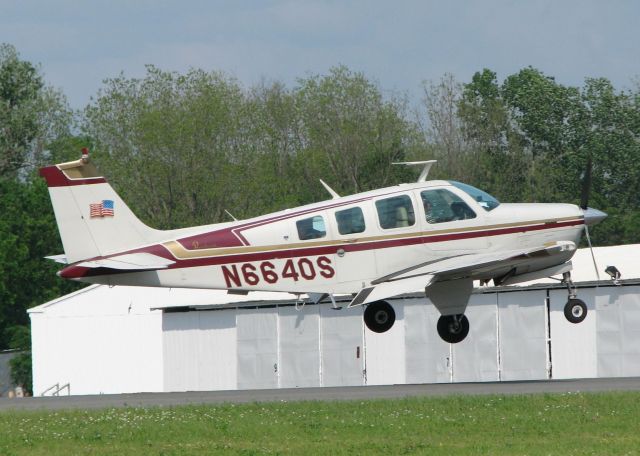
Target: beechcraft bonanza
column 437, row 235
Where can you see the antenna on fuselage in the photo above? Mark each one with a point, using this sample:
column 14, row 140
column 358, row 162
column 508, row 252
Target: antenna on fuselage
column 231, row 215
column 331, row 191
column 425, row 171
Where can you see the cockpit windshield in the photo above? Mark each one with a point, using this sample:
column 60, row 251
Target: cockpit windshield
column 486, row 201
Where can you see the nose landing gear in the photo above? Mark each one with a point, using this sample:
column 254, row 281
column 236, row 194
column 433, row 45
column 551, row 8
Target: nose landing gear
column 575, row 310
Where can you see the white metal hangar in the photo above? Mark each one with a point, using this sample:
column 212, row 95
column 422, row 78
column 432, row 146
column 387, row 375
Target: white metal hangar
column 132, row 339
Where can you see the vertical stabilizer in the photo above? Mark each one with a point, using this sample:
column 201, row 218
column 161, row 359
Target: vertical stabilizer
column 92, row 219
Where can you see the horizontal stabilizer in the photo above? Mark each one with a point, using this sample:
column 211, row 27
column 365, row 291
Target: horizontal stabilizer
column 62, row 258
column 130, row 261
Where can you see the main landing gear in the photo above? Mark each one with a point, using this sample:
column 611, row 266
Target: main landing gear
column 453, row 328
column 379, row 317
column 575, row 310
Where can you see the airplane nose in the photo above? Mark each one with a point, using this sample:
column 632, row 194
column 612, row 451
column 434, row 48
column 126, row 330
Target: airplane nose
column 593, row 216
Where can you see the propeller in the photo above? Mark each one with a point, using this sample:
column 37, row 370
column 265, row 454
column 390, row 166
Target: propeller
column 586, row 185
column 591, row 216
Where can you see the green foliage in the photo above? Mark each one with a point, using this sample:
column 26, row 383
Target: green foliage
column 530, row 139
column 21, row 371
column 20, row 364
column 603, row 423
column 27, row 234
column 20, row 85
column 31, row 114
column 175, row 145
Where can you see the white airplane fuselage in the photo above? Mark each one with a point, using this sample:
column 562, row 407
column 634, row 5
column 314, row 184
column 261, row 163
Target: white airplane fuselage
column 274, row 253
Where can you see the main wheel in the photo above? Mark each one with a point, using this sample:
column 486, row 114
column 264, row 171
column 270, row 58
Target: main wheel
column 379, row 316
column 453, row 328
column 575, row 310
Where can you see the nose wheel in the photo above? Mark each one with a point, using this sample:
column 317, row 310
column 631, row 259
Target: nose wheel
column 575, row 310
column 453, row 328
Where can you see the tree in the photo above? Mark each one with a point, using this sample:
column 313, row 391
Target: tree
column 498, row 162
column 28, row 233
column 352, row 134
column 534, row 137
column 31, row 114
column 172, row 144
column 32, row 118
column 20, row 364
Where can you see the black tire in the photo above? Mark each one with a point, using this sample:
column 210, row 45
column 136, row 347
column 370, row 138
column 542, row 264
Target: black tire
column 453, row 332
column 575, row 310
column 379, row 316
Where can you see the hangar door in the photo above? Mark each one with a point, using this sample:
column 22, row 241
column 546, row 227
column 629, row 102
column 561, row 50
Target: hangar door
column 385, row 356
column 573, row 346
column 475, row 359
column 618, row 331
column 257, row 336
column 427, row 356
column 299, row 364
column 342, row 346
column 199, row 350
column 522, row 332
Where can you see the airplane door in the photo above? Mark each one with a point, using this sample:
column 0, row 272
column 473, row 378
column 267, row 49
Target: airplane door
column 451, row 222
column 354, row 260
column 397, row 222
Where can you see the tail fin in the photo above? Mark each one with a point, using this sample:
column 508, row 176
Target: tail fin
column 92, row 219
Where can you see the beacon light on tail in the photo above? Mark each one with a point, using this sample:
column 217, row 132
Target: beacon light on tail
column 438, row 235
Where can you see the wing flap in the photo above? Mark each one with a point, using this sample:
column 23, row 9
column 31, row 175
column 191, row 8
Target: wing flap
column 388, row 289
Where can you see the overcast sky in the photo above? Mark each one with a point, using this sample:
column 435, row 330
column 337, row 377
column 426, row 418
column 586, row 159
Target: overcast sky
column 396, row 43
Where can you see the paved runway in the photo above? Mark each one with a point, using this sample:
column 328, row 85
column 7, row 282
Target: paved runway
column 322, row 394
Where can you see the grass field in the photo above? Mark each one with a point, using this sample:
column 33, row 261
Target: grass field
column 562, row 424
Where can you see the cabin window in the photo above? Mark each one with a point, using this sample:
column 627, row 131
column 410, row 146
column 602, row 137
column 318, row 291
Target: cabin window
column 444, row 206
column 350, row 221
column 396, row 212
column 311, row 228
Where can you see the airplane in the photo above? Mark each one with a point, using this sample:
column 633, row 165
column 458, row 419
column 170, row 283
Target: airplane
column 435, row 235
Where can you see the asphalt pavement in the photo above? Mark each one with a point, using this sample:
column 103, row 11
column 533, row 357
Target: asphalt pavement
column 318, row 394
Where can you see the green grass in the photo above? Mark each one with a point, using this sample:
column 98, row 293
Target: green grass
column 562, row 424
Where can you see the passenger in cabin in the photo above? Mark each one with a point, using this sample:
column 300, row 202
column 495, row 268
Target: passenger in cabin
column 461, row 211
column 402, row 217
column 428, row 209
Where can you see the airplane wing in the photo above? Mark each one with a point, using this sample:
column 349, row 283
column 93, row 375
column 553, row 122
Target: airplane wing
column 461, row 270
column 130, row 261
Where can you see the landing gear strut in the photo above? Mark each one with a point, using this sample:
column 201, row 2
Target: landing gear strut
column 575, row 310
column 379, row 316
column 453, row 328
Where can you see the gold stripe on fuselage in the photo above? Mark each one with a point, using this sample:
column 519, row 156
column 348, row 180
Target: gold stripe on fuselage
column 182, row 253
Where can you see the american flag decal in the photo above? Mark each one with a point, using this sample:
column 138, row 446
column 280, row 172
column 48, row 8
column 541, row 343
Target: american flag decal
column 103, row 209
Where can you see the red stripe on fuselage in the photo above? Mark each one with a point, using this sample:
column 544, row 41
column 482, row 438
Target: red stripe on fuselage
column 159, row 250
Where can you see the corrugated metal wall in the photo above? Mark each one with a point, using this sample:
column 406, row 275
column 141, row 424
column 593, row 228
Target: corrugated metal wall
column 515, row 335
